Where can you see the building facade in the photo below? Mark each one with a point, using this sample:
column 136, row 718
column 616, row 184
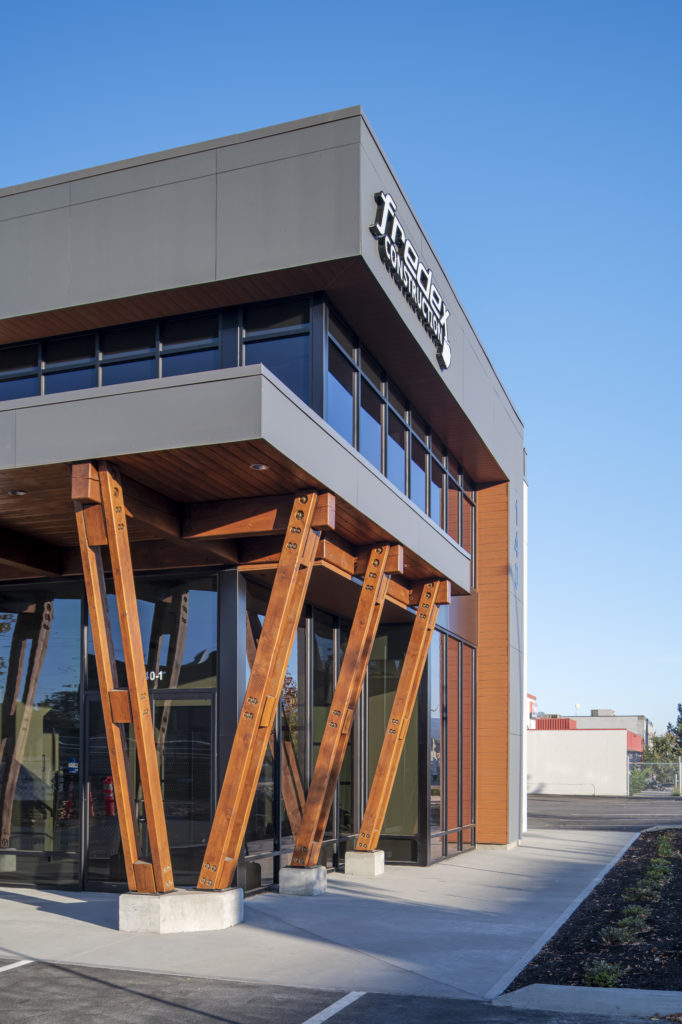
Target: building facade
column 191, row 343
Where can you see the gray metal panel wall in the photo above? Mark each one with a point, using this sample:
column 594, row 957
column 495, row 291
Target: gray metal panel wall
column 226, row 209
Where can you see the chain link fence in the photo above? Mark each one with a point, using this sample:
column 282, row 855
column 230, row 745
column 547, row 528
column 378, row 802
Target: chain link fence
column 654, row 777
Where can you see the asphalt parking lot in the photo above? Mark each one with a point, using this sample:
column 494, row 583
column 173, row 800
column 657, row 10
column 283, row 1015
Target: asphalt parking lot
column 43, row 993
column 622, row 813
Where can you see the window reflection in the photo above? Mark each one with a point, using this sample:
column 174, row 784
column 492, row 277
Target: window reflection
column 20, row 387
column 40, row 667
column 436, row 495
column 288, row 358
column 178, row 624
column 370, row 424
column 294, row 741
column 125, row 373
column 435, row 663
column 190, row 362
column 340, row 394
column 385, row 665
column 418, row 474
column 395, row 451
column 70, row 380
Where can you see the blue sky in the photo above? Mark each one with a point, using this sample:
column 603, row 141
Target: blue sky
column 539, row 142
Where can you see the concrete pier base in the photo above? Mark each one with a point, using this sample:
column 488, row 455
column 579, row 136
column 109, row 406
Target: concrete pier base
column 303, row 881
column 184, row 910
column 368, row 863
column 8, row 860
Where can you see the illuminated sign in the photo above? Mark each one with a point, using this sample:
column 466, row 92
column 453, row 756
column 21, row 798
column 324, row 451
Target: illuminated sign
column 412, row 277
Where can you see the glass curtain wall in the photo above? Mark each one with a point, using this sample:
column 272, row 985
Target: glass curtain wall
column 40, row 753
column 400, row 836
column 179, row 627
column 58, row 815
column 459, row 729
column 278, row 336
column 306, row 698
column 367, row 409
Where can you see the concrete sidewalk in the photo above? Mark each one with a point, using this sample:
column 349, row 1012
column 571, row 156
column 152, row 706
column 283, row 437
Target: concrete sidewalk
column 460, row 929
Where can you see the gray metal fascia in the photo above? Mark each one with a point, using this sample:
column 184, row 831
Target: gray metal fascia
column 180, row 151
column 226, row 406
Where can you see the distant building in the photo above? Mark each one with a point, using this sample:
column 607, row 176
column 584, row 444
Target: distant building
column 563, row 760
column 605, row 718
column 568, row 761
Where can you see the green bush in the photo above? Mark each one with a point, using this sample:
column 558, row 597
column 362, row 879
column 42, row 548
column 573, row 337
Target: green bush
column 602, row 974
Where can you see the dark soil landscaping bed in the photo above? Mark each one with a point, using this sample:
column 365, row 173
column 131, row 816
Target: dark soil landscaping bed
column 628, row 932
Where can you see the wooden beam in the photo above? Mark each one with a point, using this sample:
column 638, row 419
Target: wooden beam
column 399, row 593
column 112, row 711
column 155, row 510
column 85, row 483
column 342, row 711
column 160, row 513
column 443, row 592
column 333, row 552
column 113, row 504
column 399, row 718
column 262, row 696
column 162, row 554
column 396, row 559
column 251, row 517
column 20, row 551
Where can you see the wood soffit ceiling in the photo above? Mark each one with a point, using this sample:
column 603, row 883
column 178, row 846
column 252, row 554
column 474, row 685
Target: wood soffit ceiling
column 38, row 529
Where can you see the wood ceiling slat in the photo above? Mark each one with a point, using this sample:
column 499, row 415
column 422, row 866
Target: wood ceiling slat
column 213, row 472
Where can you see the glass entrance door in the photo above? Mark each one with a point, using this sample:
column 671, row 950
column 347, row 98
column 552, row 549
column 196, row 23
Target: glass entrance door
column 183, row 730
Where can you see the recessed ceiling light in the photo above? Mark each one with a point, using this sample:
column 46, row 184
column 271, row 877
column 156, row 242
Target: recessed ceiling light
column 259, row 466
column 18, row 494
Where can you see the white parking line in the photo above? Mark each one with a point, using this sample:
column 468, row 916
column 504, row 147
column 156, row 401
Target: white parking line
column 18, row 963
column 335, row 1008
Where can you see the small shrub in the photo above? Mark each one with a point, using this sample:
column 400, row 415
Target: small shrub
column 616, row 935
column 665, row 847
column 635, row 917
column 659, row 869
column 602, row 974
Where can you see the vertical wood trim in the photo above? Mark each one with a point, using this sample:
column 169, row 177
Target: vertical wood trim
column 399, row 719
column 106, row 675
column 492, row 664
column 341, row 713
column 262, row 696
column 119, row 549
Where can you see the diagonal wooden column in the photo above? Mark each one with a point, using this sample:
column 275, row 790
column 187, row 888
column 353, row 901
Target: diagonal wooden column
column 399, row 720
column 115, row 703
column 342, row 711
column 262, row 696
column 140, row 705
column 101, row 519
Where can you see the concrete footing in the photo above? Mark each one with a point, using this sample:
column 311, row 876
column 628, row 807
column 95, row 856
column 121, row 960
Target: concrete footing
column 8, row 860
column 184, row 910
column 369, row 863
column 303, row 881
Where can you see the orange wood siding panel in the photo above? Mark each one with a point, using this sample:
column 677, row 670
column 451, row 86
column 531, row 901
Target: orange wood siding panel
column 492, row 718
